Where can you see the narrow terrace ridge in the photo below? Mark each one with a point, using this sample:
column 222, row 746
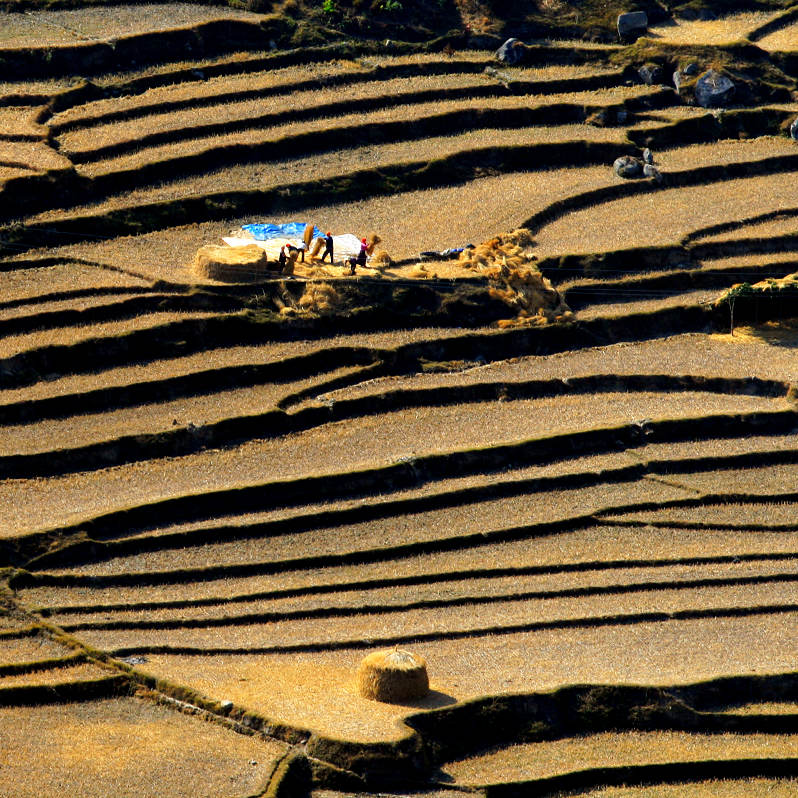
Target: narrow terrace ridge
column 459, row 168
column 587, row 622
column 685, row 422
column 263, row 496
column 206, row 331
column 479, row 84
column 98, row 428
column 438, row 543
column 307, row 594
column 226, row 619
column 171, row 127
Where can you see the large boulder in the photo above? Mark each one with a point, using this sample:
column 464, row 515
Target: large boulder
column 230, row 264
column 794, row 129
column 628, row 167
column 632, row 24
column 511, row 52
column 714, row 90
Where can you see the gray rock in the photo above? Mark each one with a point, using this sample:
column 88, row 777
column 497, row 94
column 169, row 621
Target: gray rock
column 794, row 129
column 691, row 69
column 632, row 24
column 714, row 90
column 651, row 74
column 621, row 117
column 226, row 705
column 652, row 172
column 678, row 79
column 628, row 167
column 648, row 156
column 511, row 52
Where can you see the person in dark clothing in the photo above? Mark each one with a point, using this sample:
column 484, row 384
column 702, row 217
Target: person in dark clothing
column 328, row 247
column 281, row 258
column 299, row 251
column 360, row 260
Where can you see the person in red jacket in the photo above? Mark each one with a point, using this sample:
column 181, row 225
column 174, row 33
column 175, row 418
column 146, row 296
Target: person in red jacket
column 360, row 260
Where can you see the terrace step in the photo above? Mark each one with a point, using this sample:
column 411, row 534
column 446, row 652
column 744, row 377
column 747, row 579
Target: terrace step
column 369, row 631
column 258, row 83
column 624, row 758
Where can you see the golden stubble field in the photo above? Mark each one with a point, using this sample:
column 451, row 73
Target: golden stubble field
column 211, row 514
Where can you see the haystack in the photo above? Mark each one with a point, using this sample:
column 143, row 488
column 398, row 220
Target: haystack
column 230, row 264
column 393, row 676
column 321, row 298
column 372, row 239
column 507, row 261
column 381, row 260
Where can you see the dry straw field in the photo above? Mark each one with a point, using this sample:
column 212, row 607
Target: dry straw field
column 219, row 497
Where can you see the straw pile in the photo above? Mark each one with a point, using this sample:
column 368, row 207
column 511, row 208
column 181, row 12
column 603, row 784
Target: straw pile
column 507, row 261
column 230, row 264
column 320, row 298
column 393, row 676
column 372, row 239
column 381, row 260
column 513, row 250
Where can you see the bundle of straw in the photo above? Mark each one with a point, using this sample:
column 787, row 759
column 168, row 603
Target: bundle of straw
column 393, row 676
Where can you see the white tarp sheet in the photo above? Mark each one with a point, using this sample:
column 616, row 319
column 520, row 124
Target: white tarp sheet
column 344, row 246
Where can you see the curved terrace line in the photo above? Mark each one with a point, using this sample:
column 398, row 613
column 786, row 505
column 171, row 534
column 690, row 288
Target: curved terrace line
column 430, row 578
column 374, row 75
column 590, row 622
column 235, row 429
column 259, row 618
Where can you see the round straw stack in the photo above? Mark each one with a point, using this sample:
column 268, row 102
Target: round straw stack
column 393, row 676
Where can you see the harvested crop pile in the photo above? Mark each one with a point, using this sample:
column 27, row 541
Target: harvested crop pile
column 230, row 264
column 381, row 260
column 393, row 676
column 507, row 261
column 321, row 298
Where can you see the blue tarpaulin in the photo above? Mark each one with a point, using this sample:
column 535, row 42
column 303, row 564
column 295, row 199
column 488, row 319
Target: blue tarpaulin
column 263, row 232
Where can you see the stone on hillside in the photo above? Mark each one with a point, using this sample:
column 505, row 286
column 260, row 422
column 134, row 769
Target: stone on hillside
column 632, row 24
column 691, row 69
column 511, row 52
column 714, row 90
column 652, row 172
column 648, row 156
column 628, row 167
column 651, row 74
column 794, row 129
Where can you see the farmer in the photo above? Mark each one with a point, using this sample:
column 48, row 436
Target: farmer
column 281, row 258
column 300, row 250
column 360, row 260
column 293, row 254
column 328, row 246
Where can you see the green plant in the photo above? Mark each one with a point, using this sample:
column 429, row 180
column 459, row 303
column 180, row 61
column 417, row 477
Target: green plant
column 391, row 6
column 329, row 7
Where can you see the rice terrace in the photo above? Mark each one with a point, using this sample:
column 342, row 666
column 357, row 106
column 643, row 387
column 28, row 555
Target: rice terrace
column 399, row 398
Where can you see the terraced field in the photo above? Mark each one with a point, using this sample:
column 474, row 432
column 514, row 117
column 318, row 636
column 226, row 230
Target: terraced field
column 214, row 508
